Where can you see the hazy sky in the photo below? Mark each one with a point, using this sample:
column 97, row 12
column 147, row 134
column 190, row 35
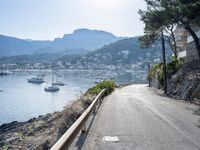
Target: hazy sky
column 48, row 19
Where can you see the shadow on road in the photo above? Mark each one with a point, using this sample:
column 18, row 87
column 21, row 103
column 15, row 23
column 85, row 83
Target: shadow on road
column 83, row 135
column 197, row 112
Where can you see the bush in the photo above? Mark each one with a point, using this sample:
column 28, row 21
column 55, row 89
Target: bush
column 174, row 65
column 109, row 85
column 161, row 78
column 156, row 69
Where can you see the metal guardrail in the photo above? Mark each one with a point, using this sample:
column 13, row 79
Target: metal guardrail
column 67, row 139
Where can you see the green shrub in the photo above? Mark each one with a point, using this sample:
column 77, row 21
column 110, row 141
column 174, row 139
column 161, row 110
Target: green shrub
column 109, row 85
column 171, row 66
column 156, row 69
column 161, row 78
column 174, row 65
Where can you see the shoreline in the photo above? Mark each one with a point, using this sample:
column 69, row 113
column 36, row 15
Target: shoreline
column 42, row 132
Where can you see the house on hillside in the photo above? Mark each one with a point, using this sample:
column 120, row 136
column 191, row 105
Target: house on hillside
column 181, row 41
column 185, row 44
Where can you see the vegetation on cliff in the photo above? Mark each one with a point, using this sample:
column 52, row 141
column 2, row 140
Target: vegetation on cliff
column 172, row 67
column 109, row 85
column 165, row 15
column 183, row 80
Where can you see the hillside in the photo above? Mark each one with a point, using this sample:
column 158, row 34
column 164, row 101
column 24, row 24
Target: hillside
column 123, row 52
column 80, row 41
column 10, row 46
column 23, row 59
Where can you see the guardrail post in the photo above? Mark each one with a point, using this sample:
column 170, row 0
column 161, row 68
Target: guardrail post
column 95, row 109
column 84, row 129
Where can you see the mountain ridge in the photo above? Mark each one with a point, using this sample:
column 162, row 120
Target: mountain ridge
column 79, row 41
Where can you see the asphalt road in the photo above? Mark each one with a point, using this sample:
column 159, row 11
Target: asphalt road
column 143, row 120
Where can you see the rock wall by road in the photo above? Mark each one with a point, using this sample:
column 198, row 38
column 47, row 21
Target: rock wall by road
column 184, row 84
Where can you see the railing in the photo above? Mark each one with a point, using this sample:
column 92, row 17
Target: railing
column 67, row 139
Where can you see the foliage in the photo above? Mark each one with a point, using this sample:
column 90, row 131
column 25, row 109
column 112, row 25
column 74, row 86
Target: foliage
column 157, row 69
column 157, row 72
column 155, row 21
column 109, row 85
column 174, row 65
column 161, row 78
column 161, row 14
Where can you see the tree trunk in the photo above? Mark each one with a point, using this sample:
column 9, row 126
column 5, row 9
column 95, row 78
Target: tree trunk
column 174, row 47
column 196, row 39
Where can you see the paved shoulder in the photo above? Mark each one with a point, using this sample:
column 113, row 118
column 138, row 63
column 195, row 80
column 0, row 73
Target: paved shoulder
column 142, row 120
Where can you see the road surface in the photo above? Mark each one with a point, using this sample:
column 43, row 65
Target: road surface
column 143, row 120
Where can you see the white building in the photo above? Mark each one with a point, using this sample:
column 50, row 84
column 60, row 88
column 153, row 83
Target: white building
column 181, row 41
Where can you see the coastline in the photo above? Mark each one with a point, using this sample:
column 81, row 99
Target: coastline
column 44, row 131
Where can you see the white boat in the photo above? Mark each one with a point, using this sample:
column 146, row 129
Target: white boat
column 6, row 72
column 52, row 89
column 36, row 80
column 57, row 82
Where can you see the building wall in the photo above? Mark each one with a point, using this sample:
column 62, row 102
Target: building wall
column 181, row 41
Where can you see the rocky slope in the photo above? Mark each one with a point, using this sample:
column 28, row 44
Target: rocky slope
column 185, row 84
column 42, row 132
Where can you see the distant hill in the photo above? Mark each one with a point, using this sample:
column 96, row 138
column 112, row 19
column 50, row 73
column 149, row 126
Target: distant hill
column 23, row 59
column 122, row 52
column 84, row 39
column 10, row 46
column 80, row 41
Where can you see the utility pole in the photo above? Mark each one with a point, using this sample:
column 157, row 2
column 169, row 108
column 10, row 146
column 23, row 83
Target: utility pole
column 149, row 73
column 164, row 62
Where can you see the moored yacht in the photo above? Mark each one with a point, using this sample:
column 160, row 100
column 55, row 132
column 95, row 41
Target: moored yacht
column 36, row 80
column 52, row 88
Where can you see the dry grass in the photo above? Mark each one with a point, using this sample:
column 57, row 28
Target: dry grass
column 72, row 112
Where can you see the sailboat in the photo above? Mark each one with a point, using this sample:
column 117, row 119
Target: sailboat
column 36, row 80
column 57, row 82
column 52, row 88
